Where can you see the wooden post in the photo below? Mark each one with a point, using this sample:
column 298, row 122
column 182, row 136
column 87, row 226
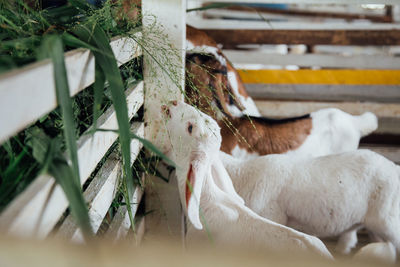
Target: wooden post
column 164, row 38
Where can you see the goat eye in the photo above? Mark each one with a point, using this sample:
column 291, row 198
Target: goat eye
column 190, row 128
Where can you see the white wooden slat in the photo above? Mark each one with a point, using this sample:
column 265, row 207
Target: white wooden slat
column 320, row 2
column 388, row 114
column 140, row 231
column 331, row 93
column 28, row 93
column 94, row 147
column 102, row 190
column 246, row 15
column 287, row 25
column 388, row 125
column 296, row 108
column 160, row 89
column 241, row 58
column 36, row 206
column 121, row 223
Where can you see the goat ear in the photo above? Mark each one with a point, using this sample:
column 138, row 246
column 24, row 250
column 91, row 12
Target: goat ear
column 194, row 183
column 221, row 94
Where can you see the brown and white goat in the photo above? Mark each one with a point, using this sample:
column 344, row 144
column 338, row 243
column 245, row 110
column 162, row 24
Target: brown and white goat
column 323, row 132
column 237, row 101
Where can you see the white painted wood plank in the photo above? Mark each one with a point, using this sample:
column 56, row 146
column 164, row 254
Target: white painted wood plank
column 388, row 125
column 287, row 25
column 35, row 211
column 102, row 190
column 246, row 15
column 121, row 223
column 94, row 147
column 347, row 93
column 28, row 93
column 169, row 16
column 104, row 185
column 388, row 114
column 320, row 2
column 165, row 221
column 296, row 108
column 241, row 58
column 140, row 231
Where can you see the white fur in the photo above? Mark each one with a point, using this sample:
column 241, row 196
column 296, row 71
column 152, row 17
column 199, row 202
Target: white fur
column 205, row 49
column 382, row 251
column 323, row 196
column 334, row 131
column 238, row 152
column 226, row 218
column 250, row 107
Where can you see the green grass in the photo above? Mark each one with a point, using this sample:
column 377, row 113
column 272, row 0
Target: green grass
column 27, row 35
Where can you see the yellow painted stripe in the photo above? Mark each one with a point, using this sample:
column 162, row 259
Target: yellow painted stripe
column 334, row 77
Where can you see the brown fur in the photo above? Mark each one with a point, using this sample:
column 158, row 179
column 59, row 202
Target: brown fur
column 198, row 37
column 206, row 80
column 128, row 9
column 220, row 81
column 264, row 138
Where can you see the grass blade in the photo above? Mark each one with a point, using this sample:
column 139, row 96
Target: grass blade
column 56, row 50
column 62, row 172
column 147, row 144
column 68, row 178
column 211, row 6
column 98, row 88
column 95, row 36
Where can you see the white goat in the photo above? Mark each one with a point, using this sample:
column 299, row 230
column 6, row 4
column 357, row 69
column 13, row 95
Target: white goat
column 324, row 196
column 205, row 185
column 378, row 252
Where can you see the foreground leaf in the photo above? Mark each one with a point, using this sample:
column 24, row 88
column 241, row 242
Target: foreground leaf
column 95, row 36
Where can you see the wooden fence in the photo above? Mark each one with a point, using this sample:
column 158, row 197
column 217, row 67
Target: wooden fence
column 292, row 84
column 30, row 93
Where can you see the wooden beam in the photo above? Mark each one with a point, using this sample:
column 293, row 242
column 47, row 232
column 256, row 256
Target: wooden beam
column 371, row 93
column 231, row 24
column 242, row 58
column 320, row 2
column 30, row 93
column 296, row 108
column 232, row 38
column 121, row 223
column 328, row 77
column 311, row 14
column 388, row 114
column 102, row 190
column 35, row 211
column 164, row 31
